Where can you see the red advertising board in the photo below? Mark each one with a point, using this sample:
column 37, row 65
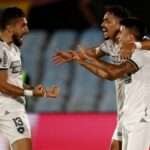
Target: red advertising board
column 71, row 131
column 75, row 131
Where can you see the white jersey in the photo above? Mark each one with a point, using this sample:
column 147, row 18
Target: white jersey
column 137, row 92
column 10, row 60
column 110, row 48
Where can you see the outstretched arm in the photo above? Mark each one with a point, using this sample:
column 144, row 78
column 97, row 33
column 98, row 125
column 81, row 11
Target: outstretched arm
column 65, row 57
column 109, row 71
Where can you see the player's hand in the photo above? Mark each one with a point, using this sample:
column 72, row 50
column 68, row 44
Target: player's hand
column 53, row 92
column 39, row 90
column 62, row 57
column 126, row 50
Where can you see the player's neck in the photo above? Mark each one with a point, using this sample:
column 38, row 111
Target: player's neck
column 114, row 41
column 6, row 37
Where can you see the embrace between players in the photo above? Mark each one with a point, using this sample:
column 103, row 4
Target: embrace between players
column 130, row 68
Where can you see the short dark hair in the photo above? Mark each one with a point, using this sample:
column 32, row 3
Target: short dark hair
column 118, row 11
column 136, row 26
column 10, row 14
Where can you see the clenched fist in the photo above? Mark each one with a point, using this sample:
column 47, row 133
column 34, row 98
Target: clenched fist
column 53, row 91
column 39, row 90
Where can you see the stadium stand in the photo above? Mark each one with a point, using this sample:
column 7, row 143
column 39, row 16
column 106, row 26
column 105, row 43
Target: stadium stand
column 58, row 75
column 85, row 85
column 31, row 53
column 80, row 90
column 107, row 102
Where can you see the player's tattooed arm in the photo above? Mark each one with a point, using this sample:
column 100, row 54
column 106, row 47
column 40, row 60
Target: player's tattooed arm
column 14, row 91
column 93, row 52
column 107, row 70
column 65, row 57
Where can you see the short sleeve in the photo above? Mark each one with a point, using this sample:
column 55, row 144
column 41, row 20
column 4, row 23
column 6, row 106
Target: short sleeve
column 4, row 59
column 139, row 57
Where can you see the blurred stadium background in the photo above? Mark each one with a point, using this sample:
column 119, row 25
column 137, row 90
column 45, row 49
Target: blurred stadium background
column 83, row 116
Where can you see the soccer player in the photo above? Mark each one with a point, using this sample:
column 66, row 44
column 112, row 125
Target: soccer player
column 134, row 122
column 110, row 26
column 13, row 118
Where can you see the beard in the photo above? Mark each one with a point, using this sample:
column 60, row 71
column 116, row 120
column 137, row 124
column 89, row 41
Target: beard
column 17, row 41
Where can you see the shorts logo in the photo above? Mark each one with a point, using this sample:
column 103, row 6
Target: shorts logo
column 119, row 133
column 19, row 124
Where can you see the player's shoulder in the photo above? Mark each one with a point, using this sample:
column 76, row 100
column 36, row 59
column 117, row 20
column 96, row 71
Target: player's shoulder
column 141, row 53
column 3, row 47
column 107, row 46
column 142, row 57
column 2, row 44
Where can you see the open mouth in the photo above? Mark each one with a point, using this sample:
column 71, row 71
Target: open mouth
column 104, row 31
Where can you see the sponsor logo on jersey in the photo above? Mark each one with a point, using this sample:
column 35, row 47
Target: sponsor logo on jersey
column 16, row 67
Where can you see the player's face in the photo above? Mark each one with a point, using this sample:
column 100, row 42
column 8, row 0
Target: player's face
column 110, row 26
column 20, row 28
column 124, row 36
